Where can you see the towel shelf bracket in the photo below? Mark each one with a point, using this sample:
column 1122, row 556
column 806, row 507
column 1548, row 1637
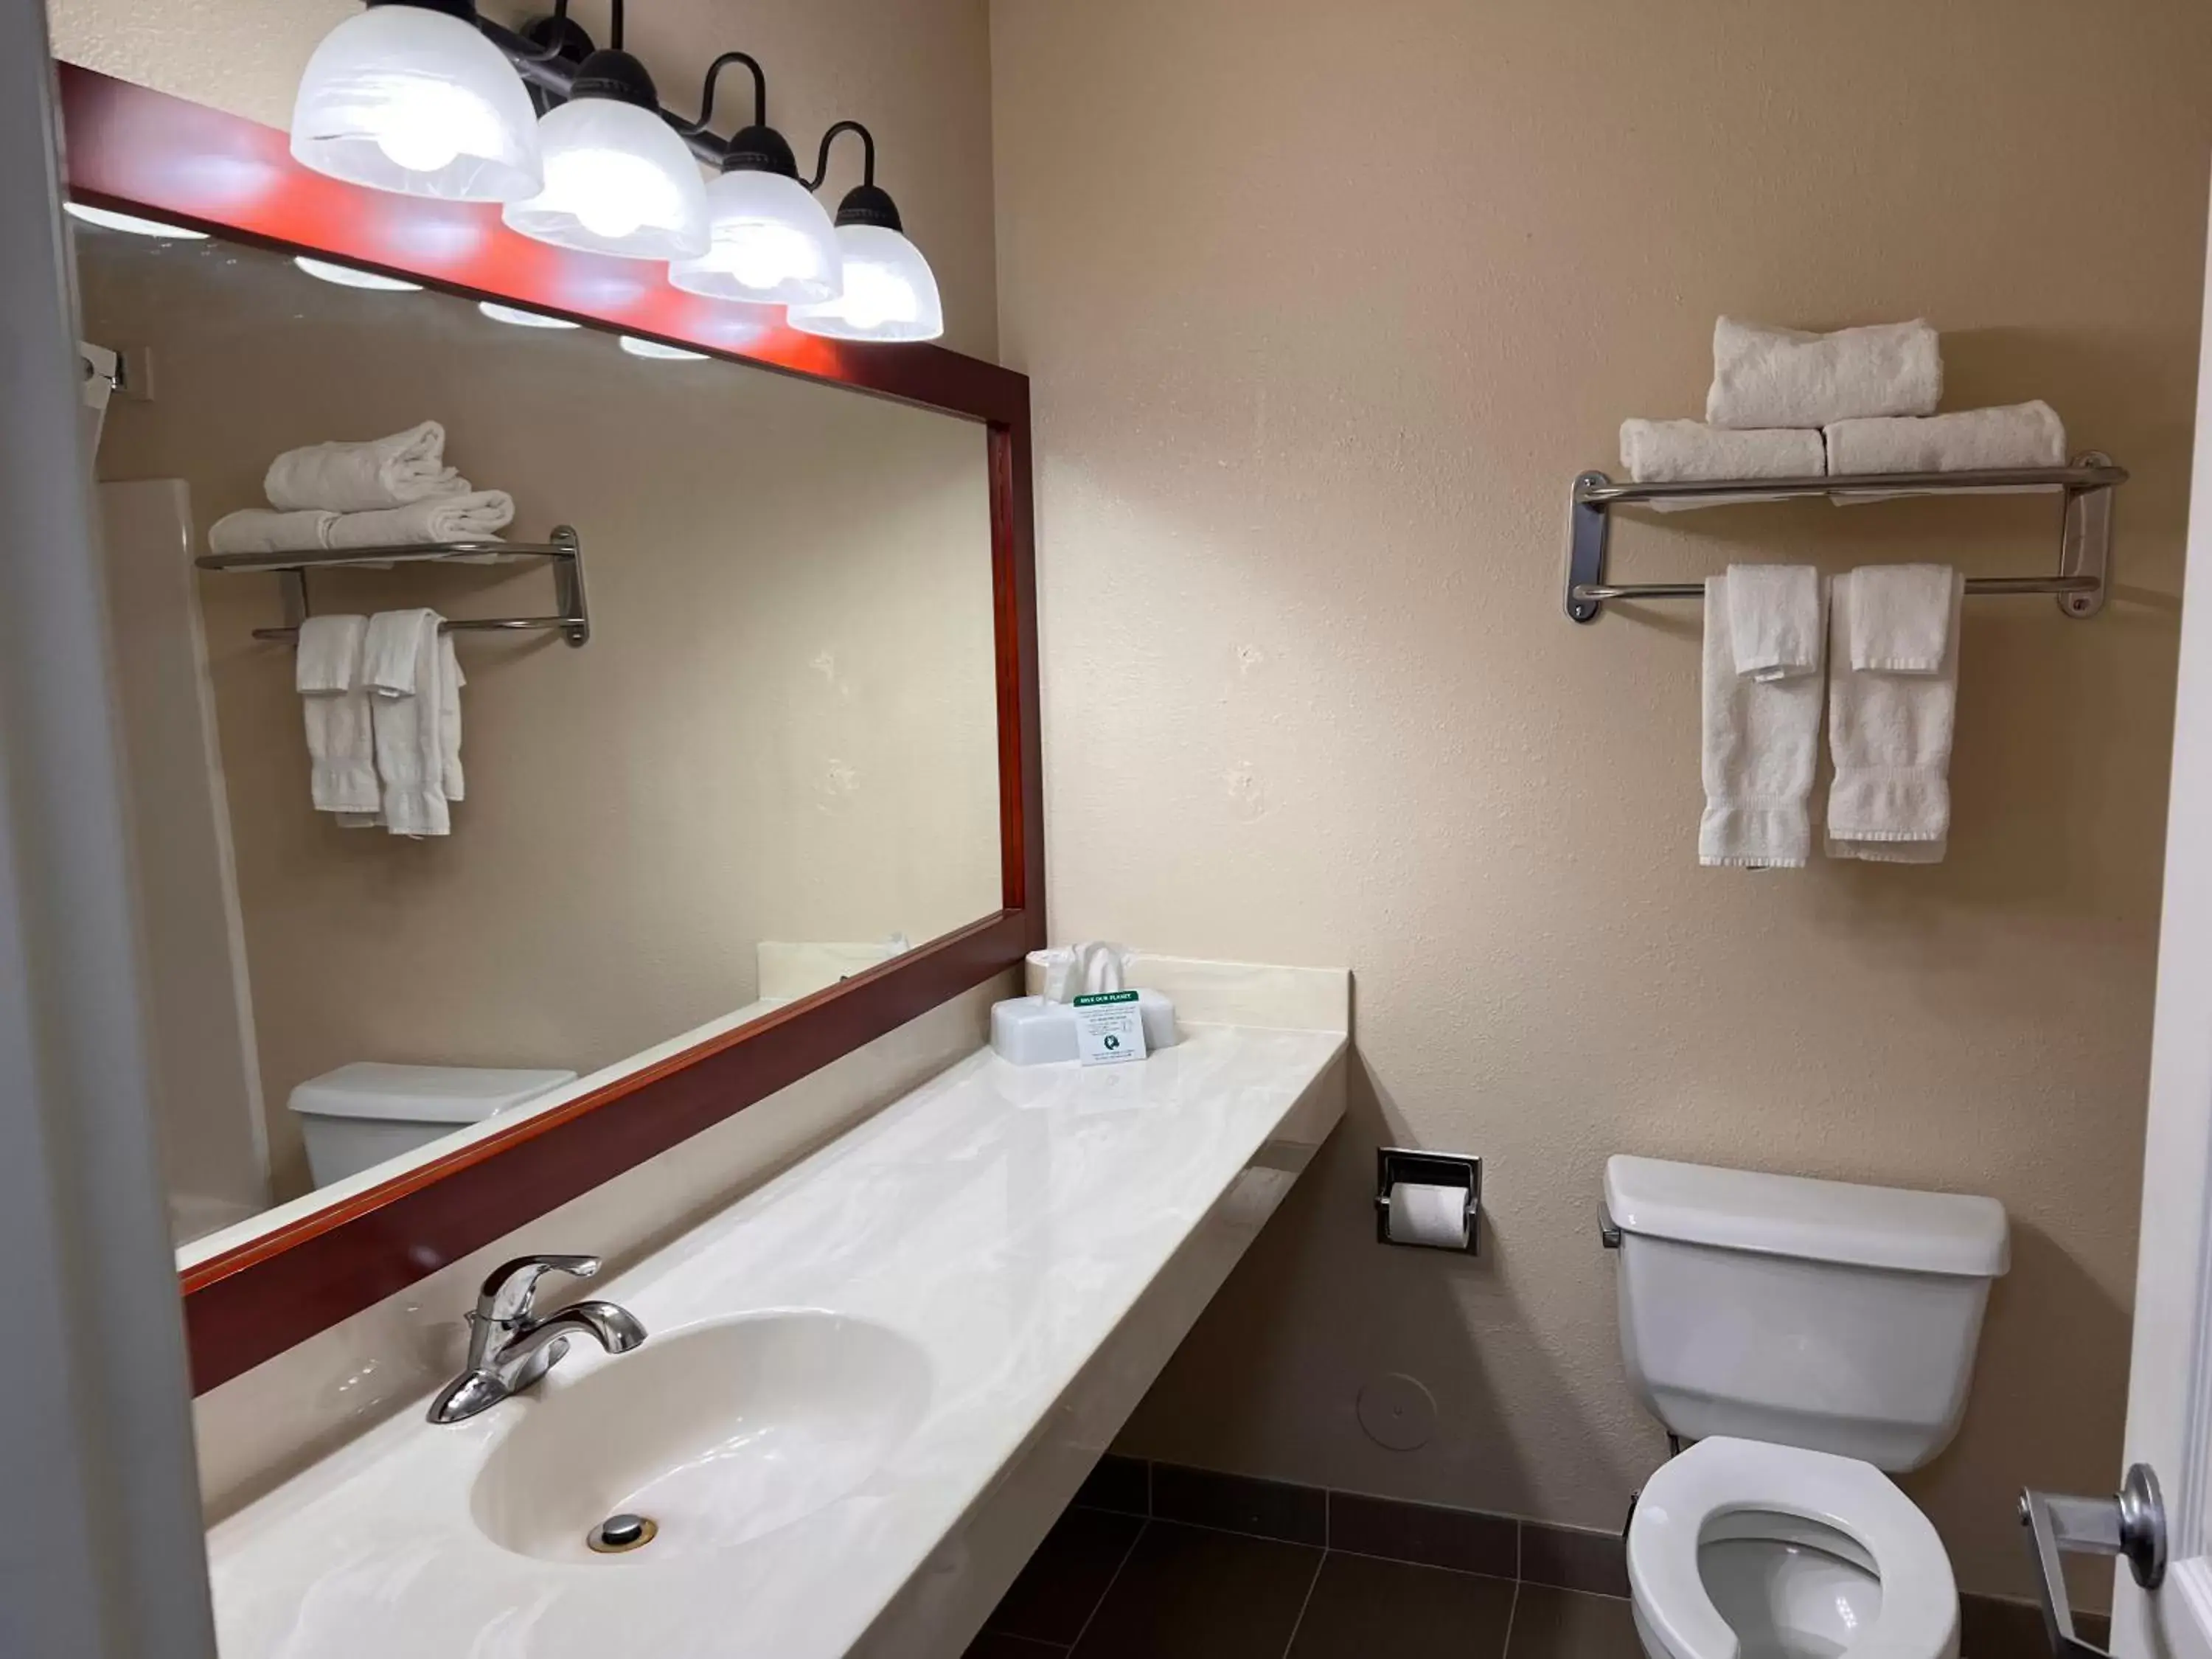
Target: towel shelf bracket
column 2085, row 547
column 564, row 551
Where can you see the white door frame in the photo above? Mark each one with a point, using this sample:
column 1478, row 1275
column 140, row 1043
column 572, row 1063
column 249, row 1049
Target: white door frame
column 101, row 1553
column 2170, row 1382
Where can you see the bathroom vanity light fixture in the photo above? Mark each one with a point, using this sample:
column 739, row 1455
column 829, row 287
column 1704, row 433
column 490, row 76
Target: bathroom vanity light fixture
column 890, row 291
column 405, row 98
column 521, row 319
column 770, row 242
column 109, row 219
column 411, row 96
column 654, row 348
column 353, row 277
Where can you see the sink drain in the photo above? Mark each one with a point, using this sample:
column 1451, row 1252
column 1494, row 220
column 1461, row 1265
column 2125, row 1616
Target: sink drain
column 618, row 1535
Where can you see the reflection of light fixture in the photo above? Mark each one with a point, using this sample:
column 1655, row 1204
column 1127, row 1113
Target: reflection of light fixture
column 521, row 319
column 889, row 293
column 654, row 348
column 409, row 96
column 618, row 179
column 109, row 219
column 770, row 240
column 353, row 277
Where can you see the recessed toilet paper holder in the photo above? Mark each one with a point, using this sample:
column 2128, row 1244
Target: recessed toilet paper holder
column 1395, row 1164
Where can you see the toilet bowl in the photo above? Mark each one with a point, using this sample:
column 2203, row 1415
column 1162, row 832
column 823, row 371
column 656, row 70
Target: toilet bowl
column 1739, row 1549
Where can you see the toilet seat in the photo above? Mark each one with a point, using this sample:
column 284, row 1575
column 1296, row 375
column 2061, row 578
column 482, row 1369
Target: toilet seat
column 1680, row 1505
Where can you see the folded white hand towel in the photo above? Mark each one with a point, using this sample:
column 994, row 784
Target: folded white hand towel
column 450, row 681
column 257, row 530
column 1761, row 738
column 1767, row 376
column 341, row 744
column 1972, row 439
column 473, row 517
column 360, row 477
column 404, row 664
column 1900, row 616
column 1776, row 624
column 1890, row 734
column 1672, row 452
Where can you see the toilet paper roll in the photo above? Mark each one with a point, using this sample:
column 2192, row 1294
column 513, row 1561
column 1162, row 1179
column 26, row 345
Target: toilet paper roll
column 1424, row 1214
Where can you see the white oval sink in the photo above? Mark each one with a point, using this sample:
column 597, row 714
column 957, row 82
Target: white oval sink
column 719, row 1434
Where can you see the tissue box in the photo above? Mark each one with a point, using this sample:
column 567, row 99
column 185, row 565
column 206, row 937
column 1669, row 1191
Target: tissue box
column 1030, row 1031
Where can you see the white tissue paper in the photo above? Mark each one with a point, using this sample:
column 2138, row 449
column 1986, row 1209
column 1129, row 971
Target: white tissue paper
column 1421, row 1213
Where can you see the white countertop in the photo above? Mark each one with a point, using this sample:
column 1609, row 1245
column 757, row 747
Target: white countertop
column 1005, row 1220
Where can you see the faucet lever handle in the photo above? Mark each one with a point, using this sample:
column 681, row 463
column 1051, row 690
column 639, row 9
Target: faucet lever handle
column 508, row 1292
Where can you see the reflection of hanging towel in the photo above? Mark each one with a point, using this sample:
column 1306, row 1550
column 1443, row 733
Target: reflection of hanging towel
column 340, row 749
column 404, row 663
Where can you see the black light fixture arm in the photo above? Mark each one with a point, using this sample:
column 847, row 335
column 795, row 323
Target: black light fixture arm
column 707, row 96
column 868, row 163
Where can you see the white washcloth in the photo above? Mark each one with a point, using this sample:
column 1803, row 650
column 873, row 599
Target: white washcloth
column 360, row 477
column 1890, row 733
column 1783, row 377
column 1671, row 452
column 1972, row 439
column 402, row 663
column 341, row 744
column 1900, row 617
column 257, row 530
column 473, row 517
column 1761, row 738
column 1776, row 627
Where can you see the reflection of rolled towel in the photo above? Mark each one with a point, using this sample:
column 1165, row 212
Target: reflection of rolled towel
column 361, row 477
column 1973, row 440
column 447, row 519
column 1672, row 452
column 257, row 530
column 1782, row 377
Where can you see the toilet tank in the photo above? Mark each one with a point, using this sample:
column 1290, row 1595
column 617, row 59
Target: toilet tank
column 1811, row 1313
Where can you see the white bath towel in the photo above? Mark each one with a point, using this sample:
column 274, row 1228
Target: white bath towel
column 404, row 663
column 341, row 744
column 1767, row 376
column 1890, row 732
column 1673, row 451
column 361, row 477
column 257, row 530
column 1972, row 439
column 1761, row 738
column 1776, row 620
column 473, row 517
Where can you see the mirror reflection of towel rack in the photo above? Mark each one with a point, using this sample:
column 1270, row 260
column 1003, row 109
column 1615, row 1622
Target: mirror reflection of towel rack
column 565, row 550
column 2080, row 582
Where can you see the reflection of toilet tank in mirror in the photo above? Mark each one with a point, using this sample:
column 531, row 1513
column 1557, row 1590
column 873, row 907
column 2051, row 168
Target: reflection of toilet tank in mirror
column 355, row 1117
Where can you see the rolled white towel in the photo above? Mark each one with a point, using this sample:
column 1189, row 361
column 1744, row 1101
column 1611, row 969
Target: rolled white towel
column 1971, row 440
column 1675, row 451
column 362, row 477
column 1766, row 377
column 257, row 530
column 469, row 518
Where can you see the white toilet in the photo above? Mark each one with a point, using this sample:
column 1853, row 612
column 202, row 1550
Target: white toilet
column 1808, row 1335
column 357, row 1116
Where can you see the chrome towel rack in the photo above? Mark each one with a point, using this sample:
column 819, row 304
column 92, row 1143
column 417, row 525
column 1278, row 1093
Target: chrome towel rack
column 2085, row 543
column 565, row 550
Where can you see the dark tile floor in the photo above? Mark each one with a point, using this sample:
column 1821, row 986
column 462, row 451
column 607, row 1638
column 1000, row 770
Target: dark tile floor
column 1108, row 1586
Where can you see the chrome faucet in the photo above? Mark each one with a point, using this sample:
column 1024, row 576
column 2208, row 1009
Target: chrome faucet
column 510, row 1347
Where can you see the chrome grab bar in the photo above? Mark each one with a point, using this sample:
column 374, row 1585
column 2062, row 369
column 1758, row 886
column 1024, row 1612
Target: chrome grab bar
column 2131, row 1524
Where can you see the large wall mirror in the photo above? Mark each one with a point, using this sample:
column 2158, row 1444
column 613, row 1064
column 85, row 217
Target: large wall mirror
column 742, row 718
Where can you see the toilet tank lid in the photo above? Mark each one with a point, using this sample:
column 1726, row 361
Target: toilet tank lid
column 421, row 1094
column 1813, row 1220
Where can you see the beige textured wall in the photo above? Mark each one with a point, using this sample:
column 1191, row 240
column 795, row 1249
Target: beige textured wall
column 1325, row 305
column 784, row 725
column 917, row 72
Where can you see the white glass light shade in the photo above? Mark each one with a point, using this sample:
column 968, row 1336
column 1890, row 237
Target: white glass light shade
column 355, row 276
column 654, row 348
column 617, row 181
column 521, row 319
column 890, row 292
column 772, row 243
column 418, row 102
column 109, row 219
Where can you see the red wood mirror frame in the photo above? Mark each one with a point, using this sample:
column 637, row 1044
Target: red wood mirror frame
column 137, row 150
